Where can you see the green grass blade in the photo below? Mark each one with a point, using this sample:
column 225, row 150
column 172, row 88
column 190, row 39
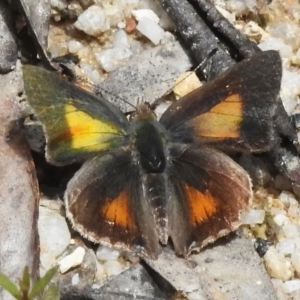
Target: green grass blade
column 24, row 283
column 52, row 293
column 9, row 286
column 41, row 284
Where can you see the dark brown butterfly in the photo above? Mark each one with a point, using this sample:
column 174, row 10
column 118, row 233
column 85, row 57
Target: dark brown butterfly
column 146, row 182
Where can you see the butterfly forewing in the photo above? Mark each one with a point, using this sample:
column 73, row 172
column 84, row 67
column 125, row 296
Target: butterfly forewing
column 77, row 123
column 233, row 111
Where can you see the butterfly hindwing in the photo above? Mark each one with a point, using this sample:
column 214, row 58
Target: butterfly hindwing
column 77, row 124
column 234, row 111
column 105, row 203
column 210, row 191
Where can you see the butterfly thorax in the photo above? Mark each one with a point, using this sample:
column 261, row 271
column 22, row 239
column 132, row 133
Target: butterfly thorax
column 149, row 139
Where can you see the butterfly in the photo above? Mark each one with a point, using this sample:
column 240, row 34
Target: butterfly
column 145, row 183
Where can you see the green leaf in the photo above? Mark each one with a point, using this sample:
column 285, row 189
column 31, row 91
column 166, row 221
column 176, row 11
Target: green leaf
column 24, row 283
column 8, row 285
column 41, row 284
column 52, row 293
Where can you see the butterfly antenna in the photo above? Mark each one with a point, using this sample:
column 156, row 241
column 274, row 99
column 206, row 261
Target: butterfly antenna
column 200, row 66
column 104, row 90
column 206, row 59
column 116, row 96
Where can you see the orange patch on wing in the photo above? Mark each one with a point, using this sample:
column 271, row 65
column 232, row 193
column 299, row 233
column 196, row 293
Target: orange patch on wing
column 202, row 205
column 118, row 212
column 222, row 121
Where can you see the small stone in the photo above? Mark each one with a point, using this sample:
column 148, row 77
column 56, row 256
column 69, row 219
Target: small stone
column 261, row 246
column 74, row 46
column 113, row 267
column 186, row 83
column 100, row 271
column 298, row 55
column 121, row 25
column 278, row 266
column 295, row 259
column 253, row 31
column 139, row 14
column 92, row 21
column 295, row 294
column 124, row 3
column 151, row 30
column 297, row 242
column 241, row 7
column 105, row 253
column 277, row 211
column 272, row 43
column 278, row 285
column 289, row 32
column 291, row 285
column 52, row 244
column 280, row 219
column 290, row 85
column 226, row 14
column 58, row 49
column 75, row 7
column 59, row 4
column 291, row 230
column 92, row 74
column 253, row 216
column 72, row 260
column 112, row 59
column 287, row 198
column 286, row 246
column 120, row 39
column 35, row 136
column 293, row 211
column 75, row 279
column 238, row 7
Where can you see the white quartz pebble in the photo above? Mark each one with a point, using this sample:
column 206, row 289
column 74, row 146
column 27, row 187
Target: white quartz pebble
column 286, row 246
column 113, row 267
column 278, row 265
column 145, row 13
column 280, row 219
column 112, row 59
column 291, row 285
column 74, row 46
column 93, row 21
column 291, row 230
column 151, row 30
column 273, row 43
column 72, row 260
column 106, row 253
column 253, row 216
